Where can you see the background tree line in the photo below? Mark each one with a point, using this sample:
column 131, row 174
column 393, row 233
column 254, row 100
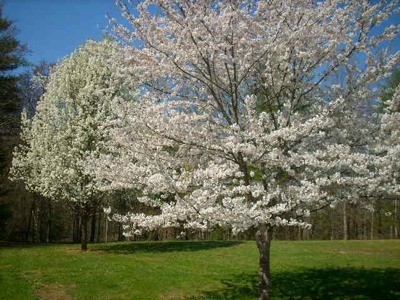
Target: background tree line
column 30, row 217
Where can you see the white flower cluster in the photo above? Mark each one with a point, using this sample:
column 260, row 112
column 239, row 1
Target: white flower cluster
column 388, row 148
column 69, row 125
column 248, row 114
column 241, row 120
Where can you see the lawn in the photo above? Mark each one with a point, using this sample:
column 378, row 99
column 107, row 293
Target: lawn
column 201, row 270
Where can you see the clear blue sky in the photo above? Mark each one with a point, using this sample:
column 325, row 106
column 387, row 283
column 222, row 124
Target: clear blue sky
column 52, row 29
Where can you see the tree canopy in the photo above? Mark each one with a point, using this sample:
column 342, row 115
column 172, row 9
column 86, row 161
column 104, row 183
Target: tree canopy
column 68, row 125
column 241, row 122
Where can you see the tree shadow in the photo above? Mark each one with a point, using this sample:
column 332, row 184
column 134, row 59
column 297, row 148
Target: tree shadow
column 15, row 245
column 170, row 246
column 328, row 283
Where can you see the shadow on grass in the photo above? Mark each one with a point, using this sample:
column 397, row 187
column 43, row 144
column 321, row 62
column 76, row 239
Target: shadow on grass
column 154, row 247
column 329, row 283
column 7, row 244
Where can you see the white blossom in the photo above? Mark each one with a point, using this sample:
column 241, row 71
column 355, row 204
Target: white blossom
column 70, row 124
column 241, row 120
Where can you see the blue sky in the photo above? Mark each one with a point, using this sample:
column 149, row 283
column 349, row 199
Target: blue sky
column 52, row 29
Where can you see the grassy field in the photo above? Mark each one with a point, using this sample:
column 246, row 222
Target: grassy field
column 201, row 270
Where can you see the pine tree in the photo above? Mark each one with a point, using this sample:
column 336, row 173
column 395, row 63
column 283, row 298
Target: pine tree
column 11, row 58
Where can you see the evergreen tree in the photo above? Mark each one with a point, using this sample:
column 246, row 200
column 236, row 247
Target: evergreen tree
column 11, row 58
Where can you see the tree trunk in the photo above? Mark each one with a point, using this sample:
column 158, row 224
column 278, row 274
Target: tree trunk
column 106, row 230
column 31, row 222
column 49, row 222
column 372, row 225
column 379, row 219
column 93, row 227
column 345, row 227
column 76, row 231
column 365, row 237
column 396, row 219
column 263, row 239
column 98, row 226
column 84, row 235
column 44, row 221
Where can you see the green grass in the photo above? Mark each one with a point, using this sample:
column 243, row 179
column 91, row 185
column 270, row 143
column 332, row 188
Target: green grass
column 201, row 270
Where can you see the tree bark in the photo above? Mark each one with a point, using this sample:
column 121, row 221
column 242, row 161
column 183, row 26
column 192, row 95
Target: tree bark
column 49, row 221
column 106, row 230
column 98, row 226
column 372, row 225
column 396, row 219
column 31, row 222
column 379, row 219
column 76, row 231
column 345, row 227
column 44, row 220
column 263, row 239
column 93, row 227
column 84, row 235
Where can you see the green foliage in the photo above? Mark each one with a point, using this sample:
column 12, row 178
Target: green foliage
column 11, row 57
column 201, row 270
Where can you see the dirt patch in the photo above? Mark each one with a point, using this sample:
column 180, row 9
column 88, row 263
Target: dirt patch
column 54, row 291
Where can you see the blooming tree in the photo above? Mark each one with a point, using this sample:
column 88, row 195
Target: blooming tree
column 69, row 125
column 241, row 122
column 390, row 144
column 387, row 149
